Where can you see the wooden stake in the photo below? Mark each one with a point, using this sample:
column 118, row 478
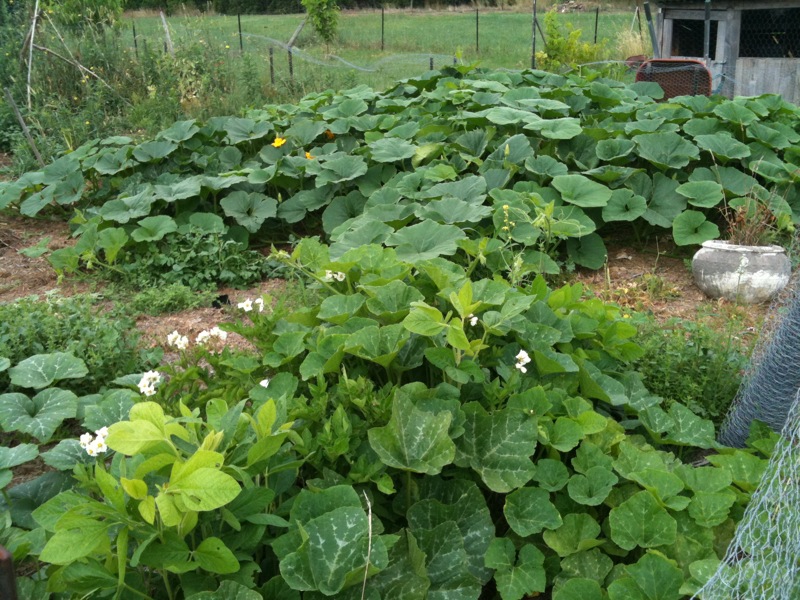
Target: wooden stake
column 25, row 130
column 296, row 33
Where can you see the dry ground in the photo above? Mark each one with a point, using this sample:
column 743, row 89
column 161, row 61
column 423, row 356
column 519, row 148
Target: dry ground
column 649, row 279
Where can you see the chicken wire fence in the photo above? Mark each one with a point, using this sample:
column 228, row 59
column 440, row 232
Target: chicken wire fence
column 763, row 560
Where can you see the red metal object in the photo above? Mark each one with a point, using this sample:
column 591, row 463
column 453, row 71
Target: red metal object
column 8, row 583
column 677, row 76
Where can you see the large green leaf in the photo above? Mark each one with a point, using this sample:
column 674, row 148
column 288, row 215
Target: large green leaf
column 339, row 309
column 340, row 168
column 641, row 521
column 425, row 240
column 624, row 205
column 691, row 227
column 230, row 590
column 205, row 489
column 588, row 251
column 378, row 344
column 215, row 557
column 446, row 562
column 723, row 146
column 652, row 578
column 329, row 539
column 65, row 455
column 516, row 577
column 180, row 131
column 125, row 209
column 498, row 446
column 702, row 193
column 710, row 509
column 735, row 112
column 406, row 576
column 41, row 370
column 152, row 229
column 666, row 150
column 391, row 302
column 81, row 539
column 249, row 210
column 112, row 240
column 391, row 149
column 581, row 191
column 578, row 532
column 15, row 456
column 614, row 148
column 240, row 130
column 528, row 511
column 593, row 487
column 459, row 501
column 414, row 440
column 578, row 588
column 153, row 151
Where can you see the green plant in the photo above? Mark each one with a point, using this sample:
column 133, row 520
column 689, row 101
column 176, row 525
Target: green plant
column 564, row 49
column 324, row 17
column 363, row 166
column 691, row 363
column 174, row 297
column 105, row 341
column 414, row 428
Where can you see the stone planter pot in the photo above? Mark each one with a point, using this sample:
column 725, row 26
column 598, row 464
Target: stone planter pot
column 746, row 274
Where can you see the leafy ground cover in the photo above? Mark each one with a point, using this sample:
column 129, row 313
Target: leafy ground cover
column 338, row 375
column 441, row 408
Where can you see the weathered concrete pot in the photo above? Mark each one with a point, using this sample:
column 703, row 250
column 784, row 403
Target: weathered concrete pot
column 746, row 274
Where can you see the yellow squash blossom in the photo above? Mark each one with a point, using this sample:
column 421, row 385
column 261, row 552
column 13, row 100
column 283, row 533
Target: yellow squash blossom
column 279, row 141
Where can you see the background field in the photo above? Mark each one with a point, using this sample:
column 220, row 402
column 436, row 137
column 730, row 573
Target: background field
column 411, row 39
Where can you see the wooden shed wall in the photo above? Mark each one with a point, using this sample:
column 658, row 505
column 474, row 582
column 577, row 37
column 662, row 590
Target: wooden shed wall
column 756, row 76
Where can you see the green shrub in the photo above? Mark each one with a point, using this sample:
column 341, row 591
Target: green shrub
column 195, row 259
column 691, row 363
column 105, row 341
column 170, row 298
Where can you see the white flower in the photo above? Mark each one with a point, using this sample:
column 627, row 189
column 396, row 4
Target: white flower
column 181, row 342
column 85, row 440
column 147, row 389
column 260, row 303
column 522, row 360
column 338, row 276
column 218, row 333
column 328, row 275
column 91, row 450
column 151, row 377
column 473, row 320
column 246, row 306
column 203, row 337
column 98, row 445
column 102, row 432
column 264, row 382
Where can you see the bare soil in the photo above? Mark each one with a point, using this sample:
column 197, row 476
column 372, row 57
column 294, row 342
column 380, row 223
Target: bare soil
column 654, row 278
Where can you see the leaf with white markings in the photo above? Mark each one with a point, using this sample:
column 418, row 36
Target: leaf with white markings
column 498, row 446
column 41, row 370
column 414, row 440
column 39, row 416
